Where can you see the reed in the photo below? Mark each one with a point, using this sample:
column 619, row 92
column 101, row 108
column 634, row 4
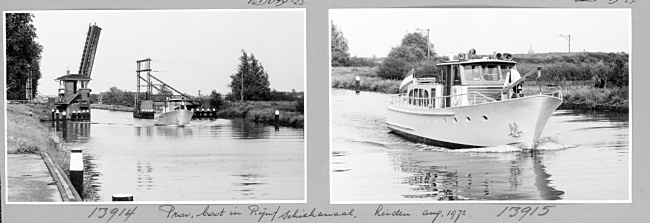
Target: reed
column 587, row 97
column 344, row 78
column 264, row 112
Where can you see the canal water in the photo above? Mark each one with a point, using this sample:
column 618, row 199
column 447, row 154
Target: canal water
column 584, row 156
column 208, row 160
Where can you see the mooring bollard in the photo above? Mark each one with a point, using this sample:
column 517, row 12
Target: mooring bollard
column 277, row 118
column 357, row 81
column 77, row 170
column 122, row 197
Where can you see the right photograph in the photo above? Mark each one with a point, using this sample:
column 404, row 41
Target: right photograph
column 480, row 105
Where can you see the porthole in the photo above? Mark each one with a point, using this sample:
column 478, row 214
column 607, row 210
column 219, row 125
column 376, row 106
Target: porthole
column 485, row 118
column 468, row 119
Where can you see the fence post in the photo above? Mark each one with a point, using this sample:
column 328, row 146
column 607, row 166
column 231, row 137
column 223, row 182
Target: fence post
column 77, row 170
column 277, row 118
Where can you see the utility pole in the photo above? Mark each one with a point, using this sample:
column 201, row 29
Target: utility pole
column 428, row 42
column 242, row 86
column 28, row 84
column 567, row 37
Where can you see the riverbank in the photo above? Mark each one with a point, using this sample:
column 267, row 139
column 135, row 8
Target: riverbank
column 344, row 78
column 111, row 107
column 587, row 97
column 291, row 112
column 581, row 96
column 256, row 111
column 26, row 134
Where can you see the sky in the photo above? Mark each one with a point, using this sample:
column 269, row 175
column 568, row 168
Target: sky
column 191, row 50
column 375, row 31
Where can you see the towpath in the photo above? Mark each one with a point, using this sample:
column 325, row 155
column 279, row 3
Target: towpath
column 29, row 180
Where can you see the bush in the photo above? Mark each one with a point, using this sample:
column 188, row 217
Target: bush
column 393, row 68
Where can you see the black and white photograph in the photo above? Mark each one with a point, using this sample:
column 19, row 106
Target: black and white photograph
column 151, row 106
column 480, row 105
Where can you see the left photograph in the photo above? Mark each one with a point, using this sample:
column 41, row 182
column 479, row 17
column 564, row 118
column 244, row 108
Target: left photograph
column 175, row 106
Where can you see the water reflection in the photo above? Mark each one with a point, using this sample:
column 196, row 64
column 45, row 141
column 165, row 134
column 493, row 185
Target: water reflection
column 214, row 160
column 445, row 175
column 144, row 170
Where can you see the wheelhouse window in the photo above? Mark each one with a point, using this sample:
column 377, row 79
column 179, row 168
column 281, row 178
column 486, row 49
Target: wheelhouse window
column 504, row 70
column 472, row 72
column 490, row 72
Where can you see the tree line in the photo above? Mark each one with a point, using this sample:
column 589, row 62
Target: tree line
column 610, row 68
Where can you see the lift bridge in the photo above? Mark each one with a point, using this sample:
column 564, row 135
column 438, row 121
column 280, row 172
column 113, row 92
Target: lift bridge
column 146, row 103
column 74, row 93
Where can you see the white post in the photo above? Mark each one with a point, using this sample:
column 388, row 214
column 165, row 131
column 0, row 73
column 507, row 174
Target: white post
column 77, row 170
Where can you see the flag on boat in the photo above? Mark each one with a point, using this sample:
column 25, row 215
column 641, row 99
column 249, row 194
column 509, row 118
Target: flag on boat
column 408, row 80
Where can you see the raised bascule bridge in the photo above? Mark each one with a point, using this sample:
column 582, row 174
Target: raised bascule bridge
column 147, row 103
column 74, row 93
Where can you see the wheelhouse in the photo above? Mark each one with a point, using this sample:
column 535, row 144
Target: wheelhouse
column 464, row 81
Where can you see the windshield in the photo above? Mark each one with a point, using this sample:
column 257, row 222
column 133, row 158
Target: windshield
column 485, row 73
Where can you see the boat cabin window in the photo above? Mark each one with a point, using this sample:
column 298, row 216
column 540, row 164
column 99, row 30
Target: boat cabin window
column 456, row 76
column 490, row 72
column 472, row 72
column 484, row 73
column 419, row 97
column 505, row 69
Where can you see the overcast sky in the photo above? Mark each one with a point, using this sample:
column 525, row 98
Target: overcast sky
column 191, row 50
column 375, row 31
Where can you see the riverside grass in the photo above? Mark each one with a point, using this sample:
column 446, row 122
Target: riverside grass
column 27, row 135
column 264, row 112
column 577, row 94
column 344, row 77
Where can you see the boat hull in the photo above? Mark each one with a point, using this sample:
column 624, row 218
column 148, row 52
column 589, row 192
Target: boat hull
column 516, row 121
column 177, row 117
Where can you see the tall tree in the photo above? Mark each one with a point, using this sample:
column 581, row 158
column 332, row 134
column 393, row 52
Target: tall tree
column 339, row 48
column 255, row 80
column 23, row 55
column 411, row 53
column 419, row 42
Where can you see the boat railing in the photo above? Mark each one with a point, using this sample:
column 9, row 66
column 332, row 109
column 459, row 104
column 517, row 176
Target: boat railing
column 403, row 100
column 557, row 94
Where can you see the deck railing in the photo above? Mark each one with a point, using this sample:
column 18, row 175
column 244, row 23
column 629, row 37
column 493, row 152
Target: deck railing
column 474, row 98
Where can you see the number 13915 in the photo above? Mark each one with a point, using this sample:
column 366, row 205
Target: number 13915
column 522, row 212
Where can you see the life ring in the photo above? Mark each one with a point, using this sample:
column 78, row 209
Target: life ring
column 455, row 98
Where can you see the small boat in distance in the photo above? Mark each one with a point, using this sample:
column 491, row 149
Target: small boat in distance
column 173, row 112
column 477, row 103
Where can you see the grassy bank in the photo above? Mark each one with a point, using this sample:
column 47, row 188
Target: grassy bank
column 27, row 135
column 111, row 107
column 344, row 77
column 586, row 96
column 264, row 112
